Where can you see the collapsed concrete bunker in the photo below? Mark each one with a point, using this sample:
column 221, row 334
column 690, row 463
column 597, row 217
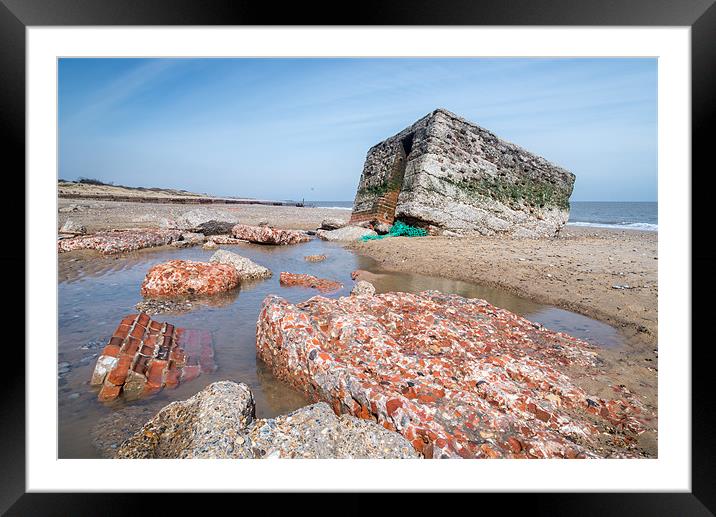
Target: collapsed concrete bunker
column 448, row 173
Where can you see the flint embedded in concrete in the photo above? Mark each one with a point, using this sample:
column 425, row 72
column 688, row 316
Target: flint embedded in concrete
column 446, row 172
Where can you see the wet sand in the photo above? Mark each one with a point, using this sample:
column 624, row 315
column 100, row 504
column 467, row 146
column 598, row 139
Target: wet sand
column 577, row 271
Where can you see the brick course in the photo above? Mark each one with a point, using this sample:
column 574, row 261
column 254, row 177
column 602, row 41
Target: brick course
column 145, row 356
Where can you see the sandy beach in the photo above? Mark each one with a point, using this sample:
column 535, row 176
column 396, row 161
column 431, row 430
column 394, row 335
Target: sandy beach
column 103, row 215
column 610, row 275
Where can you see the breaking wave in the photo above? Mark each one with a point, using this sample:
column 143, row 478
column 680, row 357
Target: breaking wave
column 622, row 226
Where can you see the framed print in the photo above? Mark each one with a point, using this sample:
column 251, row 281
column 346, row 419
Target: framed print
column 439, row 249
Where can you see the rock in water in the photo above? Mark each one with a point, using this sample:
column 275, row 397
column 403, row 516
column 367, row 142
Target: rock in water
column 314, row 258
column 225, row 240
column 119, row 241
column 144, row 356
column 457, row 377
column 164, row 305
column 268, row 235
column 218, row 422
column 349, row 233
column 363, row 288
column 246, row 268
column 186, row 277
column 450, row 173
column 333, row 224
column 310, row 281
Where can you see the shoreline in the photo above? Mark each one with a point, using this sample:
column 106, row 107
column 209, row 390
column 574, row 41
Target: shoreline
column 575, row 271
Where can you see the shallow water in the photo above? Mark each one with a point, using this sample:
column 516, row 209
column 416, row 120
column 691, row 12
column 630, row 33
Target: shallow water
column 96, row 292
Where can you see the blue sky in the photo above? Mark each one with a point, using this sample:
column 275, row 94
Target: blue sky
column 300, row 128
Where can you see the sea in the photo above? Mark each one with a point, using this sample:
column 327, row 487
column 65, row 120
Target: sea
column 625, row 215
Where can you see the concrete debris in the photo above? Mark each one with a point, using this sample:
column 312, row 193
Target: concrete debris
column 119, row 241
column 246, row 268
column 348, row 233
column 333, row 224
column 314, row 258
column 363, row 288
column 219, row 422
column 144, row 356
column 185, row 277
column 268, row 235
column 457, row 377
column 310, row 281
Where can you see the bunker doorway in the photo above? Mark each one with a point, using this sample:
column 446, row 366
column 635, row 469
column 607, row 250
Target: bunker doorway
column 389, row 201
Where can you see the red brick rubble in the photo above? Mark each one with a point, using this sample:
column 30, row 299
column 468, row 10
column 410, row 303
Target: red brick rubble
column 457, row 377
column 268, row 235
column 186, row 277
column 310, row 281
column 224, row 239
column 119, row 241
column 144, row 356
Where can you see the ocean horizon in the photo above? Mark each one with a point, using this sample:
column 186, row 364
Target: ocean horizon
column 625, row 215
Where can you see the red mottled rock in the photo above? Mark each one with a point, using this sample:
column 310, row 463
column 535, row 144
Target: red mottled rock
column 119, row 241
column 457, row 377
column 268, row 235
column 310, row 281
column 186, row 277
column 160, row 356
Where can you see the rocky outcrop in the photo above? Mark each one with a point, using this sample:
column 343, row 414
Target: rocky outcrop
column 309, row 281
column 457, row 377
column 363, row 288
column 119, row 241
column 348, row 233
column 246, row 268
column 450, row 173
column 144, row 356
column 268, row 235
column 186, row 277
column 219, row 422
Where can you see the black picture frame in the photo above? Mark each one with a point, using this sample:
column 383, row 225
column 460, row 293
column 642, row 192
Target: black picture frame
column 699, row 15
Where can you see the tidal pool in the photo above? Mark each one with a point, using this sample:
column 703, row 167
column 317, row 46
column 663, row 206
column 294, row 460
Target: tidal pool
column 95, row 292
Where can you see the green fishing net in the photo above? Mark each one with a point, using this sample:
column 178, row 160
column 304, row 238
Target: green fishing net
column 399, row 229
